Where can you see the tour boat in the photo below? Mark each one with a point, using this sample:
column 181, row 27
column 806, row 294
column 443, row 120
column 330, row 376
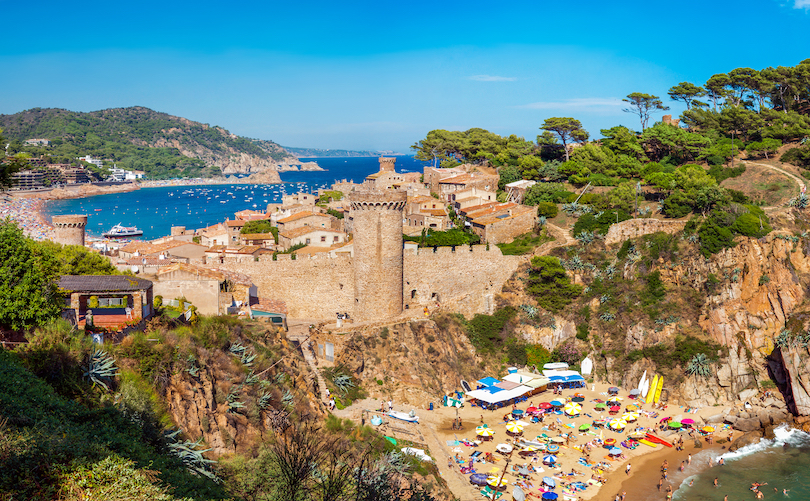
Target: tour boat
column 123, row 231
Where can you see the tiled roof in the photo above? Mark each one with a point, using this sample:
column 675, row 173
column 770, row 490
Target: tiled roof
column 257, row 236
column 501, row 215
column 137, row 246
column 270, row 306
column 103, row 283
column 171, row 244
column 302, row 215
column 297, row 232
column 235, row 223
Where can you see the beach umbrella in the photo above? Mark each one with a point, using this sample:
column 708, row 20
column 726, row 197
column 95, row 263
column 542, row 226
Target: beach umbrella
column 517, row 412
column 578, row 399
column 497, row 482
column 529, row 448
column 615, row 408
column 614, row 451
column 630, row 416
column 478, row 479
column 513, row 427
column 675, row 425
column 632, row 407
column 518, row 494
column 504, row 448
column 584, row 427
column 615, row 399
column 664, row 420
column 531, row 409
column 572, row 408
column 634, row 392
column 708, row 429
column 557, row 403
column 613, row 390
column 558, row 440
column 688, row 421
column 550, row 459
column 550, row 496
column 618, row 424
column 600, row 406
column 522, row 470
column 545, row 405
column 552, row 448
column 549, row 482
column 485, row 432
column 610, row 442
column 483, row 426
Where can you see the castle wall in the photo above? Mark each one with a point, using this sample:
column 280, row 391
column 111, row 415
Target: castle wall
column 204, row 294
column 317, row 287
column 634, row 228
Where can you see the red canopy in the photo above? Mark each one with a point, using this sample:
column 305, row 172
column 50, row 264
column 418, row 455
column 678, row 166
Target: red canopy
column 531, row 409
column 615, row 408
column 545, row 405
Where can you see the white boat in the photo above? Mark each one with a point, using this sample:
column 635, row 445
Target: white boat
column 118, row 231
column 404, row 416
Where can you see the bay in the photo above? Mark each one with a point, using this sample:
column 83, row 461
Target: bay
column 156, row 210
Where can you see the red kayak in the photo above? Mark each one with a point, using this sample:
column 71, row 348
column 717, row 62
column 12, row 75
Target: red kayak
column 652, row 438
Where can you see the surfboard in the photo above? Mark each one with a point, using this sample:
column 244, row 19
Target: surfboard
column 647, row 396
column 587, row 366
column 465, row 386
column 657, row 440
column 647, row 442
column 658, row 389
column 641, row 382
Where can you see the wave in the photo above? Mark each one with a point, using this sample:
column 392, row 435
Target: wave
column 783, row 435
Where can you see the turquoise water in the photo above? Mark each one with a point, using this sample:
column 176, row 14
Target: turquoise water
column 156, row 210
column 767, row 461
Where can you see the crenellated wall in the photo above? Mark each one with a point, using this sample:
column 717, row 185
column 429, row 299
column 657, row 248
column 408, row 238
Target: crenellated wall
column 464, row 280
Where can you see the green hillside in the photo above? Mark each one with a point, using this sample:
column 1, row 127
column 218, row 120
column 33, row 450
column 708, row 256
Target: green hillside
column 136, row 138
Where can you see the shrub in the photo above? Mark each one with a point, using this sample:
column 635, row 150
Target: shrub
column 547, row 209
column 654, row 290
column 714, row 238
column 92, row 302
column 537, row 354
column 485, row 330
column 550, row 285
column 797, row 156
column 677, row 205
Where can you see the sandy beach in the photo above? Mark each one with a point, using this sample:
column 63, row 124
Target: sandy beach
column 27, row 213
column 452, row 448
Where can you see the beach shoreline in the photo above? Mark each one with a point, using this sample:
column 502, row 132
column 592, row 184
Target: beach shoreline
column 436, row 426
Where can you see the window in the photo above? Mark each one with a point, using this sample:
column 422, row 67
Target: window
column 323, row 239
column 335, row 238
column 308, row 241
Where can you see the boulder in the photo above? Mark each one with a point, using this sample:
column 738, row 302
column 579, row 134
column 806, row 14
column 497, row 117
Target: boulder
column 715, row 419
column 747, row 439
column 730, row 419
column 746, row 395
column 764, row 418
column 748, row 425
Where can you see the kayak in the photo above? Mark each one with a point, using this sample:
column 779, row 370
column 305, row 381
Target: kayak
column 657, row 440
column 647, row 442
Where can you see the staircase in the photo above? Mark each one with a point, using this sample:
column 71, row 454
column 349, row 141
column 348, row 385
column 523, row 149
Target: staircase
column 300, row 332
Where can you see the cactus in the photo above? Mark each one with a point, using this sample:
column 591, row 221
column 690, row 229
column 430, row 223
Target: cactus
column 101, row 369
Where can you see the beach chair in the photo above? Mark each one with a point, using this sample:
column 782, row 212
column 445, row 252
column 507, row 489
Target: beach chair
column 487, row 493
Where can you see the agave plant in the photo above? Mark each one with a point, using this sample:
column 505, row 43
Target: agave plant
column 192, row 457
column 700, row 365
column 264, row 401
column 248, row 358
column 542, row 220
column 571, row 208
column 604, row 298
column 233, row 407
column 287, row 399
column 607, row 317
column 531, row 311
column 585, row 237
column 800, row 201
column 237, row 349
column 251, row 379
column 100, row 368
column 343, row 383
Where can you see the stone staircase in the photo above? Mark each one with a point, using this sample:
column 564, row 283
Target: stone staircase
column 299, row 332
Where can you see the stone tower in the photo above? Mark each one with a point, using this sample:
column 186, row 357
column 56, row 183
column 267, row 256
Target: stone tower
column 377, row 253
column 70, row 229
column 388, row 164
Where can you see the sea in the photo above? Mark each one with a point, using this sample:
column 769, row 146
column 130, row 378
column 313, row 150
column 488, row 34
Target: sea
column 782, row 462
column 156, row 210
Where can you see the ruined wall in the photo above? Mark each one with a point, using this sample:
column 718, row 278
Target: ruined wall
column 204, row 294
column 634, row 228
column 317, row 287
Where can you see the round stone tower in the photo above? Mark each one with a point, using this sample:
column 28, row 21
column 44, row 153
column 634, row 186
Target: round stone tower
column 388, row 164
column 70, row 229
column 377, row 253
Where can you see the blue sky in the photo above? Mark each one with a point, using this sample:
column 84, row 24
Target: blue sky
column 380, row 75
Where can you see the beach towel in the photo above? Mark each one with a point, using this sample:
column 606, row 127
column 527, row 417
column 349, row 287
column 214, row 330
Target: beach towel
column 452, row 443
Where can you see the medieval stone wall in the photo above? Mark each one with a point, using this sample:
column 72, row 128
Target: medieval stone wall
column 317, row 287
column 634, row 228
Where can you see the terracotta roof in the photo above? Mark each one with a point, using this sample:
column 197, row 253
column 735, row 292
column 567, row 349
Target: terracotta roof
column 147, row 261
column 313, row 249
column 464, row 179
column 242, row 249
column 502, row 215
column 304, row 230
column 250, row 215
column 171, row 244
column 212, row 273
column 138, row 246
column 103, row 283
column 374, row 176
column 213, row 227
column 235, row 223
column 302, row 215
column 422, row 199
column 270, row 306
column 258, row 236
column 482, row 210
column 217, row 248
column 433, row 212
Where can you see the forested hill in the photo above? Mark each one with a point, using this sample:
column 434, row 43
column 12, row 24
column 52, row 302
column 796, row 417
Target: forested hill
column 162, row 145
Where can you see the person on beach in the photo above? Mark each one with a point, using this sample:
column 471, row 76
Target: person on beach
column 689, row 460
column 683, row 465
column 715, row 481
column 660, row 483
column 627, row 469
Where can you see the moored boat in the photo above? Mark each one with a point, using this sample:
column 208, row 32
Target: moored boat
column 119, row 231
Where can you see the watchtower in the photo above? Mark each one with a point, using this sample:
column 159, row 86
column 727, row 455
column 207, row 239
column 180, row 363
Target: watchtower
column 377, row 253
column 388, row 164
column 70, row 229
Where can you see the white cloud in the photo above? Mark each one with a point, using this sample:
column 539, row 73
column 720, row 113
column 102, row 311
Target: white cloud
column 801, row 4
column 495, row 78
column 592, row 103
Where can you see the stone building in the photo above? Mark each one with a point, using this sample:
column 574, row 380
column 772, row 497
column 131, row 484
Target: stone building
column 212, row 291
column 306, row 235
column 463, row 182
column 132, row 294
column 307, row 218
column 70, row 229
column 505, row 225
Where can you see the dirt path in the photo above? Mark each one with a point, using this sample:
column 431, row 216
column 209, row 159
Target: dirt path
column 562, row 238
column 799, row 180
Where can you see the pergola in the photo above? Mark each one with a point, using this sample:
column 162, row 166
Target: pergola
column 136, row 295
